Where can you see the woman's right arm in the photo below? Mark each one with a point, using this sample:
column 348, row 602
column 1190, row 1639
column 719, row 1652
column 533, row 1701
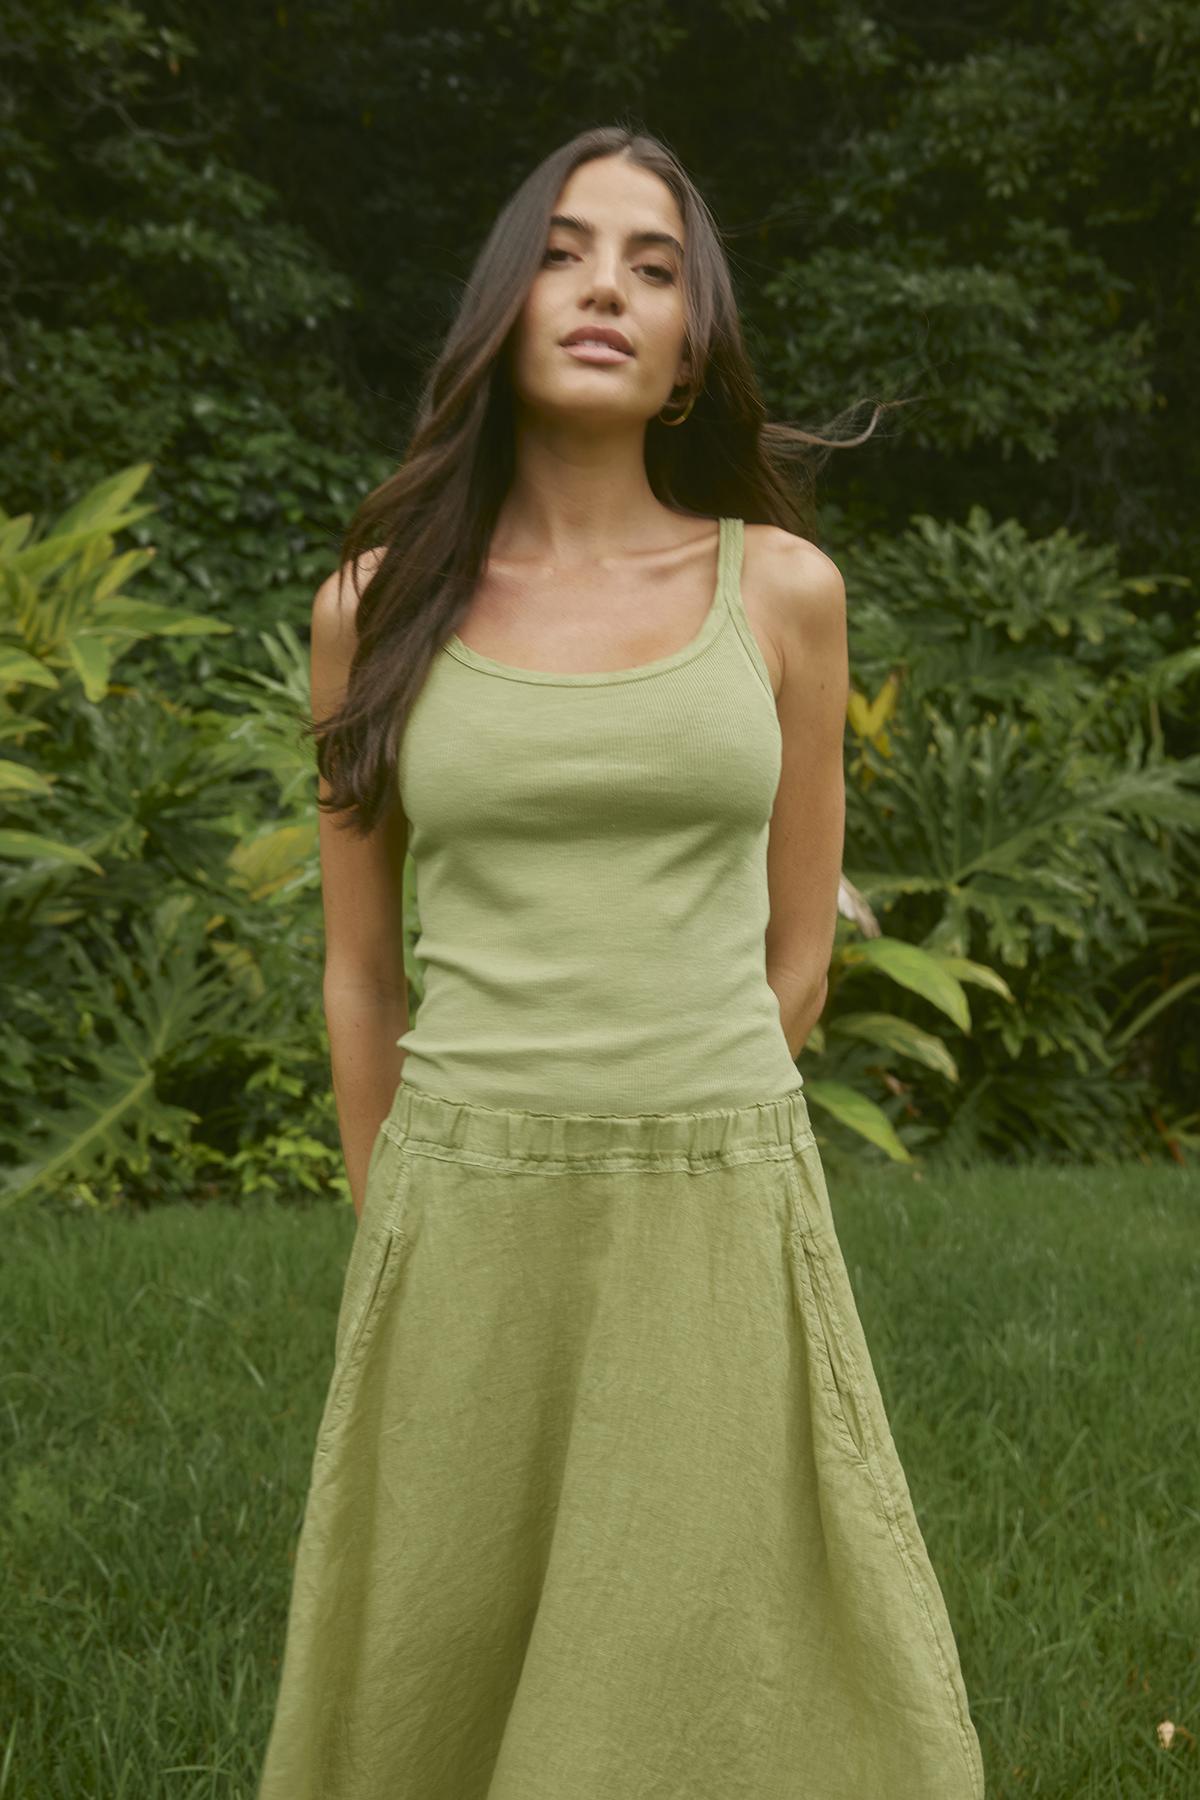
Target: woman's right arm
column 364, row 988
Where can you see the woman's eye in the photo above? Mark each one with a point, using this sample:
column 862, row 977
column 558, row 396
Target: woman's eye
column 660, row 270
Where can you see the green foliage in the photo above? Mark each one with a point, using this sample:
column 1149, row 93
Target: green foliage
column 160, row 903
column 1008, row 809
column 1154, row 1000
column 858, row 1113
column 1013, row 804
column 1006, row 355
column 233, row 236
column 158, row 310
column 276, row 203
column 934, row 976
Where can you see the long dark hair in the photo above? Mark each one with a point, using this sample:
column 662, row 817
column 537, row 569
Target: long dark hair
column 432, row 520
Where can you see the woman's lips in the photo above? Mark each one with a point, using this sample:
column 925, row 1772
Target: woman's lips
column 597, row 353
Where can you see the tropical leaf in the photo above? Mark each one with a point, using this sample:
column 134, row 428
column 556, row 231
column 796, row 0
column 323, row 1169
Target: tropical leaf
column 868, row 717
column 92, row 659
column 912, row 968
column 123, row 617
column 276, row 859
column 18, row 665
column 19, row 778
column 119, row 571
column 13, row 532
column 980, row 974
column 898, row 1035
column 159, row 999
column 1170, row 997
column 103, row 504
column 857, row 1114
column 27, row 846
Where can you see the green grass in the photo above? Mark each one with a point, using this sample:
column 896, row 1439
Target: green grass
column 1034, row 1333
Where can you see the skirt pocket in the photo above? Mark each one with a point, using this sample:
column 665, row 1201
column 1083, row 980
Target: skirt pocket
column 826, row 1302
column 377, row 1258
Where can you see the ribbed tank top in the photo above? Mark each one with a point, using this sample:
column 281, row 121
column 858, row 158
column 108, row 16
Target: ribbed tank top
column 591, row 876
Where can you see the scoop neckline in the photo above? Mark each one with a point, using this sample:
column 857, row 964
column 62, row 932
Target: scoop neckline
column 714, row 619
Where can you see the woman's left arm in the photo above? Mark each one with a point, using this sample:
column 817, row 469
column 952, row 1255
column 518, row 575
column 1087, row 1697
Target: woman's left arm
column 808, row 823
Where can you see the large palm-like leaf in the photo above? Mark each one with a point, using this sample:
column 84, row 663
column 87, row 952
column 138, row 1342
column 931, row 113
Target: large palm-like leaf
column 1010, row 838
column 152, row 1005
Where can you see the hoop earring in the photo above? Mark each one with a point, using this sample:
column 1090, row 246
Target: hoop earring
column 683, row 415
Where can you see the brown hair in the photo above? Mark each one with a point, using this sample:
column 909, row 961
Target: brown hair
column 433, row 519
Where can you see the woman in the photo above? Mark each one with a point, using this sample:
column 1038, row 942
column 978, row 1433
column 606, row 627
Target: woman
column 604, row 1502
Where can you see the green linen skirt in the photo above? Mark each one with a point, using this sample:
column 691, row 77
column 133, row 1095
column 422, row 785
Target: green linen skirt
column 604, row 1503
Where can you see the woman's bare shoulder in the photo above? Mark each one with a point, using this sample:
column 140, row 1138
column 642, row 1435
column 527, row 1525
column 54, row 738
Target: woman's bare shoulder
column 335, row 604
column 789, row 588
column 783, row 555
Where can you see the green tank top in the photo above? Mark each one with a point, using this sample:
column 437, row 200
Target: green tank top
column 591, row 876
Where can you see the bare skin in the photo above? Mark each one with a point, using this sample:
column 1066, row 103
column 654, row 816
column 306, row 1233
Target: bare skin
column 588, row 571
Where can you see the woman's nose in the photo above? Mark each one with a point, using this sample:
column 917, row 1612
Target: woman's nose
column 607, row 282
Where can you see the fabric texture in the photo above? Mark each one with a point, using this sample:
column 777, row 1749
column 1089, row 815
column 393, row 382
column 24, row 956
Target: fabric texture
column 591, row 876
column 604, row 1503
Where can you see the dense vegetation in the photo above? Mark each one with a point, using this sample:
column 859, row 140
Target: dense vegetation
column 232, row 237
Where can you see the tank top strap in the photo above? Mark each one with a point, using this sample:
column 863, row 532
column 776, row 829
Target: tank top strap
column 733, row 550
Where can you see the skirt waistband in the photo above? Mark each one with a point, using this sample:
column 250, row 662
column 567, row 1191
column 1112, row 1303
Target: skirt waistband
column 445, row 1127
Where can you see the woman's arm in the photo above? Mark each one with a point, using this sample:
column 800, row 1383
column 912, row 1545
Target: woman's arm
column 808, row 822
column 364, row 988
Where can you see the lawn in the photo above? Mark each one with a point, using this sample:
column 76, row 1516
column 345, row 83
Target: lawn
column 1035, row 1336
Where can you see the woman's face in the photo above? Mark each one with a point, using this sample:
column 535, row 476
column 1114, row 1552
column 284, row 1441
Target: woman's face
column 617, row 266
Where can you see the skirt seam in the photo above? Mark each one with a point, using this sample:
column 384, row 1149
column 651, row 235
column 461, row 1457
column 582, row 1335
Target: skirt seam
column 529, row 1162
column 965, row 1728
column 708, row 1112
column 805, row 1234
